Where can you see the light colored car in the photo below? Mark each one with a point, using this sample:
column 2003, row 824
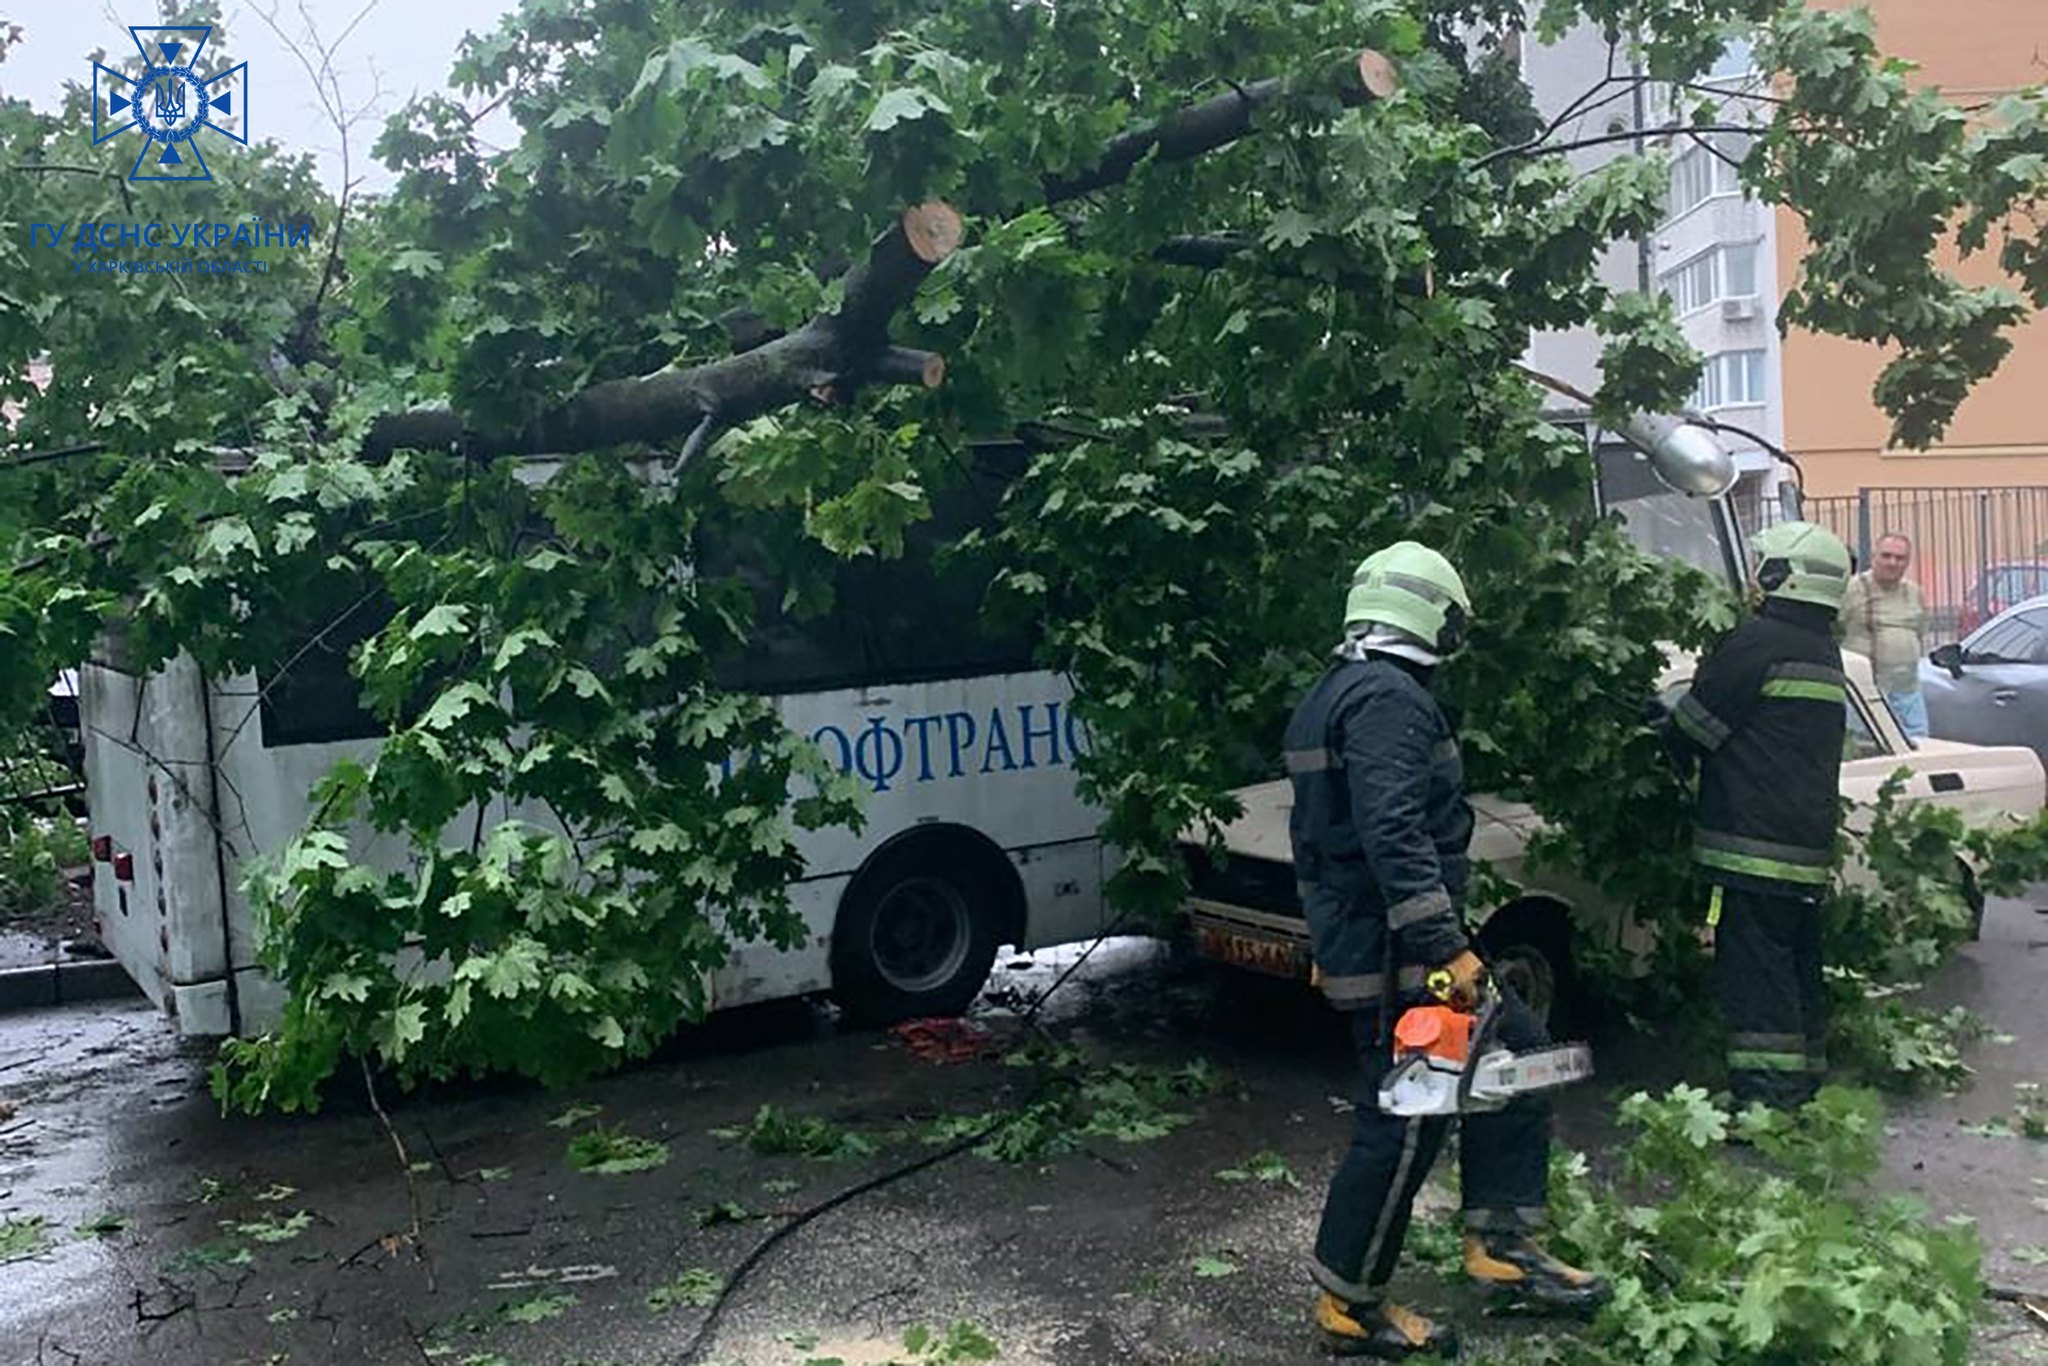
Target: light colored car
column 1244, row 911
column 1992, row 689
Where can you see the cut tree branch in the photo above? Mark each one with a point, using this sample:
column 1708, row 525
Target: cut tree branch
column 1212, row 124
column 1188, row 133
column 828, row 357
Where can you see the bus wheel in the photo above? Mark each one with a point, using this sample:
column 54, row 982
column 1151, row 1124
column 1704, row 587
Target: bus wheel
column 916, row 935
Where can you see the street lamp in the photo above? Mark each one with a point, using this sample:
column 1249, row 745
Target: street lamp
column 1685, row 457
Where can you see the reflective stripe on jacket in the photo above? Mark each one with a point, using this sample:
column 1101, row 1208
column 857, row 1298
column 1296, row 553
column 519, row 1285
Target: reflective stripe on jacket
column 1766, row 714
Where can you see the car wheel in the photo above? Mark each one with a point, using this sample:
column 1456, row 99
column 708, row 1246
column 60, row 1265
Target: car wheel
column 915, row 935
column 1528, row 947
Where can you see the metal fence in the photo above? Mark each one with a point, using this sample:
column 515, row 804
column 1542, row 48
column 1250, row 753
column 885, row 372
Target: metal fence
column 1976, row 552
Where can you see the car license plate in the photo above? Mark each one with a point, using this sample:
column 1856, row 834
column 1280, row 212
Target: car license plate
column 1276, row 957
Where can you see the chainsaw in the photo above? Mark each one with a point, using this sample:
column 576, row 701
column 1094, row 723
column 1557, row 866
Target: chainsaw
column 1447, row 1061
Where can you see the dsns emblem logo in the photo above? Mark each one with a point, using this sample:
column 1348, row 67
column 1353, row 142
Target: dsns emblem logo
column 169, row 104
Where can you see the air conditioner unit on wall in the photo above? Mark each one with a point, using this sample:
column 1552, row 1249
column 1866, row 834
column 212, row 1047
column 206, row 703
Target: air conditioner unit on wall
column 1741, row 310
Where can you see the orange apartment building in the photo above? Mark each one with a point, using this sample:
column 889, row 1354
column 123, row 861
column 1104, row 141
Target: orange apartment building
column 1973, row 51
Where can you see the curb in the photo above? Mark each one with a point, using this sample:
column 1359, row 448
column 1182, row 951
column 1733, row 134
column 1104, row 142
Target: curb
column 53, row 984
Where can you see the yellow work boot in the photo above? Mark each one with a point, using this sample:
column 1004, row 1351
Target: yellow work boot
column 1383, row 1330
column 1519, row 1276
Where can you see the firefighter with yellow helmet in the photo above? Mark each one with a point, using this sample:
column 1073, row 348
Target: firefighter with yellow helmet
column 1379, row 828
column 1765, row 719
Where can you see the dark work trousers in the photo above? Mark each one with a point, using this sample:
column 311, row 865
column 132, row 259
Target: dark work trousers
column 1504, row 1165
column 1773, row 998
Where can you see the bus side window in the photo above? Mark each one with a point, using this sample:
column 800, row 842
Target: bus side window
column 910, row 619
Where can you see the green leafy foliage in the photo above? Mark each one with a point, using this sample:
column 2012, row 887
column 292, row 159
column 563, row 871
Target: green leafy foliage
column 1267, row 1167
column 1903, row 906
column 538, row 1308
column 34, row 852
column 611, row 1152
column 221, row 1252
column 776, row 1132
column 21, row 1238
column 695, row 1288
column 1748, row 1263
column 271, row 1230
column 1071, row 1099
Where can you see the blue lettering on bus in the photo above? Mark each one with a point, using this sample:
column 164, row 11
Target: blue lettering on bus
column 1050, row 733
column 954, row 720
column 879, row 753
column 998, row 740
column 887, row 754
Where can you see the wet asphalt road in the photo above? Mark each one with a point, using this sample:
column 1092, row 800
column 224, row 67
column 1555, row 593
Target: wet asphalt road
column 283, row 1239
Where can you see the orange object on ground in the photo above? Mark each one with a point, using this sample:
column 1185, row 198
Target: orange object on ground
column 1439, row 1031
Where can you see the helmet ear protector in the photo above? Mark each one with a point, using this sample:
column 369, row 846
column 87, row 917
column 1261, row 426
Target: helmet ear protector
column 1772, row 574
column 1451, row 639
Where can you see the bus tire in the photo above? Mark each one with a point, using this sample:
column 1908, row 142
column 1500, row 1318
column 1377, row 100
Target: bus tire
column 917, row 931
column 1528, row 946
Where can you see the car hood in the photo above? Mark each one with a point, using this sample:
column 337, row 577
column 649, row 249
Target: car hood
column 1500, row 826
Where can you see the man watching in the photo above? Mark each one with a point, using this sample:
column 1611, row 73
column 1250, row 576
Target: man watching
column 1885, row 618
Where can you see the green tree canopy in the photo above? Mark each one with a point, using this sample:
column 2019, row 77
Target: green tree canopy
column 1248, row 280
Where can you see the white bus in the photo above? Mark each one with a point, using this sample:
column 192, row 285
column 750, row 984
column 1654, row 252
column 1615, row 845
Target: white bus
column 964, row 751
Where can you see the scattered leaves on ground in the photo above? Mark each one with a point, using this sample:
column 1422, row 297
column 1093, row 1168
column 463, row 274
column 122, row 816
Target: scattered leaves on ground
column 102, row 1225
column 575, row 1115
column 612, row 1152
column 775, row 1132
column 695, row 1288
column 1214, row 1268
column 1265, row 1167
column 21, row 1238
column 272, row 1230
column 537, row 1308
column 726, row 1212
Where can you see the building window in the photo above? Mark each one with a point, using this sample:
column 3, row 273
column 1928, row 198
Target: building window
column 1733, row 379
column 1693, row 285
column 1723, row 273
column 1738, row 271
column 1698, row 174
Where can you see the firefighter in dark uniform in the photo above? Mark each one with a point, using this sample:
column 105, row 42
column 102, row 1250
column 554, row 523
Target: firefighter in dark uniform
column 1379, row 828
column 1765, row 719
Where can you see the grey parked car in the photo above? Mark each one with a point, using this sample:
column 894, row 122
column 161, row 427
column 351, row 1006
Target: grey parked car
column 1992, row 689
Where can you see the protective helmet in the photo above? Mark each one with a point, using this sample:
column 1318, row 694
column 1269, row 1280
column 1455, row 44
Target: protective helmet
column 1413, row 589
column 1801, row 562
